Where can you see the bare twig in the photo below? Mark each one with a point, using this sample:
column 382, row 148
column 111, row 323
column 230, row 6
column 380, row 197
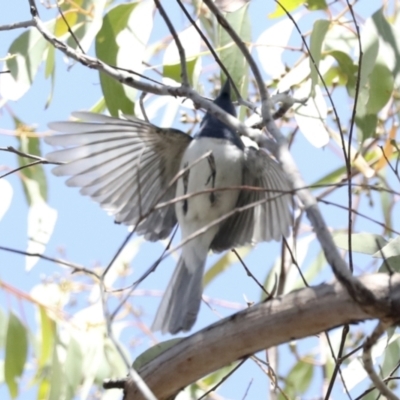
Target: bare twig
column 181, row 50
column 17, row 25
column 228, row 375
column 73, row 266
column 368, row 363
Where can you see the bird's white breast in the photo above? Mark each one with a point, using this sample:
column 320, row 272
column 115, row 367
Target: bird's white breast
column 200, row 210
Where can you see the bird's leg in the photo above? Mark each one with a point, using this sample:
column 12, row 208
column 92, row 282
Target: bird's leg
column 211, row 163
column 185, row 180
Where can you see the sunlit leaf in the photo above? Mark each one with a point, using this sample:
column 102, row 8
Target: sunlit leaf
column 26, row 55
column 153, row 352
column 367, row 243
column 316, row 5
column 289, row 5
column 50, row 71
column 121, row 42
column 299, row 378
column 270, row 46
column 99, row 107
column 389, row 42
column 230, row 55
column 41, row 222
column 190, row 41
column 33, row 178
column 318, row 33
column 48, row 329
column 347, row 69
column 65, row 22
column 387, row 250
column 387, row 149
column 387, row 204
column 15, row 353
column 311, row 116
column 390, row 264
column 57, row 378
column 73, row 367
column 380, row 88
column 217, row 376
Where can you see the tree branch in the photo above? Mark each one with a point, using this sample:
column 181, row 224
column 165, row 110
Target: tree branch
column 297, row 315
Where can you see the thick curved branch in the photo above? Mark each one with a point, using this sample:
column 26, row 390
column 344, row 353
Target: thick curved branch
column 299, row 314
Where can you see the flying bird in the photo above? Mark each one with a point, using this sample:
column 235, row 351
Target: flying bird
column 227, row 195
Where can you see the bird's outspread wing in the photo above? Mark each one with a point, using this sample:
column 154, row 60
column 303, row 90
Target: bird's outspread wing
column 266, row 212
column 126, row 165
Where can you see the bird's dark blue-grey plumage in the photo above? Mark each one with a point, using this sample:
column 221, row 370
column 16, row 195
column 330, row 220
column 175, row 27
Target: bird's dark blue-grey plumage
column 212, row 127
column 130, row 167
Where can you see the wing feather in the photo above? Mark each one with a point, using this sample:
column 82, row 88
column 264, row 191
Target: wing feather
column 126, row 165
column 270, row 217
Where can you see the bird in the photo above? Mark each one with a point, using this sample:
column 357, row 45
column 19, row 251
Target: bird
column 222, row 193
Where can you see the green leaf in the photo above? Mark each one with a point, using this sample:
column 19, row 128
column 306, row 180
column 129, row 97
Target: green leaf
column 33, row 178
column 229, row 54
column 73, row 367
column 50, row 71
column 57, row 378
column 387, row 202
column 391, row 358
column 380, row 88
column 299, row 379
column 366, row 243
column 118, row 39
column 99, row 107
column 174, row 71
column 289, row 5
column 48, row 329
column 390, row 264
column 224, row 263
column 389, row 42
column 311, row 271
column 153, row 352
column 3, row 328
column 387, row 250
column 366, row 125
column 85, row 26
column 217, row 376
column 347, row 69
column 333, row 177
column 191, row 42
column 15, row 353
column 318, row 33
column 316, row 5
column 26, row 55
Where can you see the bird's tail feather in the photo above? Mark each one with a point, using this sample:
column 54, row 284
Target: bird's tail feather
column 181, row 301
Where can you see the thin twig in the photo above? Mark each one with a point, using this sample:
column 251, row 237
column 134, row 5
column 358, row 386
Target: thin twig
column 369, row 365
column 210, row 47
column 75, row 267
column 181, row 50
column 17, row 25
column 249, row 273
column 69, row 29
column 223, row 379
column 265, row 106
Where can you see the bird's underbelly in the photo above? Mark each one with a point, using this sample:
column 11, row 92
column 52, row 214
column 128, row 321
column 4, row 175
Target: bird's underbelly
column 221, row 169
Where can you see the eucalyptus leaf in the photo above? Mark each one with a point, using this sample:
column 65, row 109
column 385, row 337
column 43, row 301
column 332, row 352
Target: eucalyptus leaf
column 367, row 243
column 16, row 351
column 153, row 352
